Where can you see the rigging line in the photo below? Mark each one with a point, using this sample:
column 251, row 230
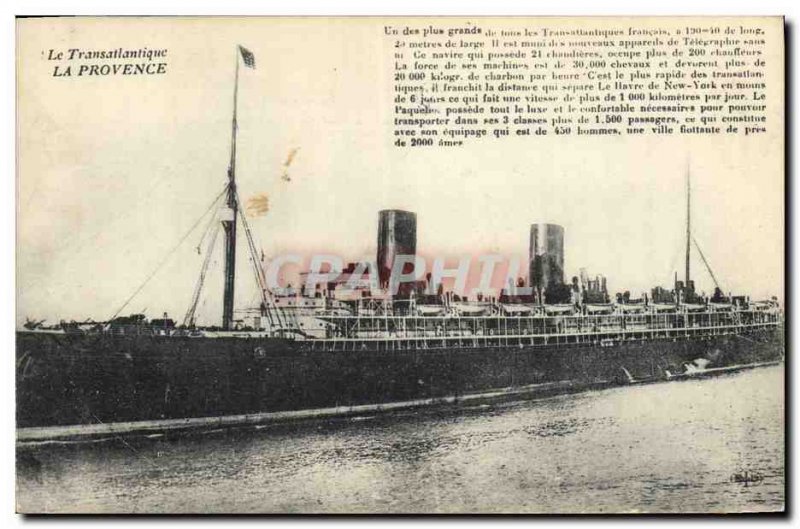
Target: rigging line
column 202, row 305
column 190, row 314
column 260, row 279
column 81, row 238
column 266, row 297
column 259, row 273
column 169, row 254
column 272, row 310
column 705, row 262
column 212, row 219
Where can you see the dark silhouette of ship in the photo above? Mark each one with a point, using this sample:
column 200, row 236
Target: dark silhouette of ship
column 306, row 353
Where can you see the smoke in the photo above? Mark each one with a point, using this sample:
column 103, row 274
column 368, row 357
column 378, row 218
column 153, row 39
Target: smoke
column 289, row 159
column 258, row 205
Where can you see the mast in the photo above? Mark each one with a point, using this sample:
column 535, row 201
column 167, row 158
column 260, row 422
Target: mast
column 688, row 225
column 229, row 223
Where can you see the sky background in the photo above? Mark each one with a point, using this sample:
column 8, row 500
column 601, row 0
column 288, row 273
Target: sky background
column 113, row 171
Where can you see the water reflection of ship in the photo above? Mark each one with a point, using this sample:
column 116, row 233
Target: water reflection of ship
column 304, row 350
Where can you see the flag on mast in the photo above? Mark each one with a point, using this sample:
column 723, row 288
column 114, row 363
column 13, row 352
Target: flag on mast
column 248, row 57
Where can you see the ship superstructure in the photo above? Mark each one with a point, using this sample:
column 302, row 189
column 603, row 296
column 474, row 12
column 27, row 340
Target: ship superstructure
column 366, row 336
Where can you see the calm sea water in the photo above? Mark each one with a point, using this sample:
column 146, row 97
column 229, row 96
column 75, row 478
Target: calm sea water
column 655, row 448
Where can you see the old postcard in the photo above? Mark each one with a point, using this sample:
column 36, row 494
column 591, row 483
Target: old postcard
column 400, row 265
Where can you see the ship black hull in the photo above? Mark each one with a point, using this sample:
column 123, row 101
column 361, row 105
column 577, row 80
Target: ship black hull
column 93, row 379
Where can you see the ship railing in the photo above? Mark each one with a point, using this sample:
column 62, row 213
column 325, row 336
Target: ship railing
column 401, row 325
column 398, row 333
column 611, row 336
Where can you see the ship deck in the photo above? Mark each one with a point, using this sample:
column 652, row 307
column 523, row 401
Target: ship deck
column 416, row 332
column 408, row 332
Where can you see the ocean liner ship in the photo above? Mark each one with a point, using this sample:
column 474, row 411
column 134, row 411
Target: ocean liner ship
column 301, row 353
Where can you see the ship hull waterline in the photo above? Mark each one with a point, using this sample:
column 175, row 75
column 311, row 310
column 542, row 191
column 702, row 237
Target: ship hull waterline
column 98, row 380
